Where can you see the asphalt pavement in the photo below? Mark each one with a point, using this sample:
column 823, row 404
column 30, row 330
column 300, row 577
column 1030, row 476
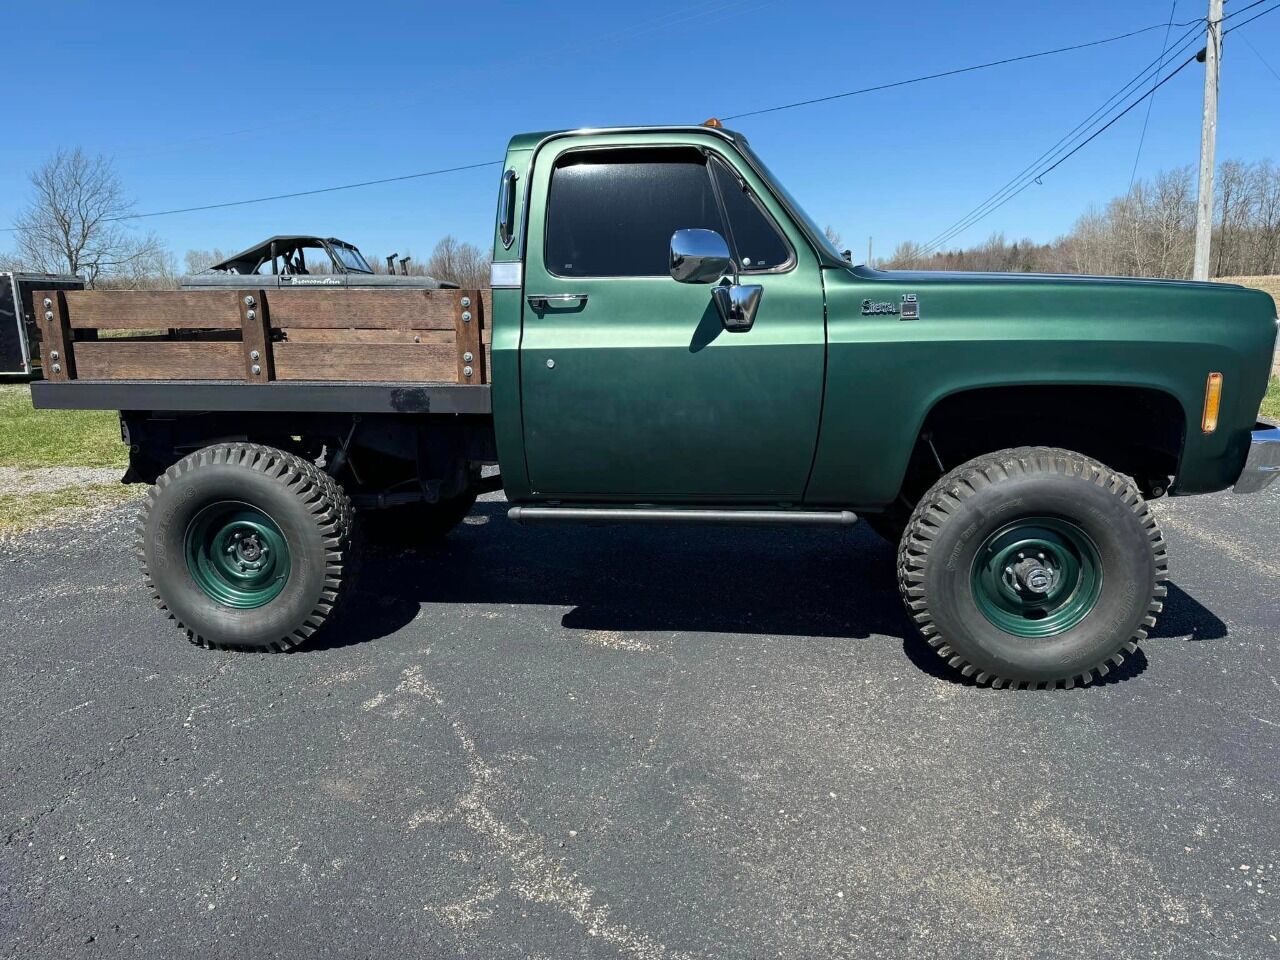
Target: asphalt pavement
column 561, row 742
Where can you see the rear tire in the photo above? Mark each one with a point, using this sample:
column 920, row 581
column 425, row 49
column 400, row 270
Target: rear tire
column 246, row 547
column 1033, row 566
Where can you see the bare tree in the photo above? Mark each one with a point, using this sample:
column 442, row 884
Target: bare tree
column 1147, row 232
column 833, row 235
column 73, row 223
column 198, row 261
column 462, row 263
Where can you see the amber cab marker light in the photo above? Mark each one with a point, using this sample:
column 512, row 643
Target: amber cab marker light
column 1212, row 399
column 713, row 123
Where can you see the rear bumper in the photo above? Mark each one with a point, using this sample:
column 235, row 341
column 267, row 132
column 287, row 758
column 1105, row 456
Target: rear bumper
column 1263, row 463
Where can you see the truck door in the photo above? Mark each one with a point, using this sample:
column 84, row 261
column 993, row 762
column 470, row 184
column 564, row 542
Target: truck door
column 631, row 386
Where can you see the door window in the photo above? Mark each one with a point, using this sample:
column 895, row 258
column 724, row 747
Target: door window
column 612, row 214
column 756, row 238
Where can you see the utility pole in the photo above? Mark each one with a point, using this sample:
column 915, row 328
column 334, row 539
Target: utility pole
column 1208, row 137
column 868, row 250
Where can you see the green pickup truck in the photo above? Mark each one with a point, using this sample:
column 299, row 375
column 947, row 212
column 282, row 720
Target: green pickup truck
column 669, row 338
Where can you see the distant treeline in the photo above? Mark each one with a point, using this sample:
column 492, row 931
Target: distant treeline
column 1149, row 232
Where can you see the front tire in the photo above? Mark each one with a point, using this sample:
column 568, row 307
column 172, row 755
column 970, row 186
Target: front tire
column 1033, row 566
column 247, row 547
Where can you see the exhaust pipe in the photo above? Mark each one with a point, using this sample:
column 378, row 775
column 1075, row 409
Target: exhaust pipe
column 404, row 269
column 391, row 264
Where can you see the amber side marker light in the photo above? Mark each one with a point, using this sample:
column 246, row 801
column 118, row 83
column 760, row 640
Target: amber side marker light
column 1212, row 400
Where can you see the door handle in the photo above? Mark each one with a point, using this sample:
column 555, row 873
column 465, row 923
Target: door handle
column 540, row 301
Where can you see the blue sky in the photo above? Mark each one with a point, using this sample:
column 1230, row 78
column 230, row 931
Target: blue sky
column 200, row 103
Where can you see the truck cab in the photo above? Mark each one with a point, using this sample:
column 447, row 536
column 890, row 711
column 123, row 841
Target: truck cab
column 832, row 384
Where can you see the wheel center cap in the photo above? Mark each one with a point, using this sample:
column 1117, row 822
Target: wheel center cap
column 1033, row 577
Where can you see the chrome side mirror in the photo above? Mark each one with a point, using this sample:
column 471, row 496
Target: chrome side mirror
column 699, row 256
column 737, row 305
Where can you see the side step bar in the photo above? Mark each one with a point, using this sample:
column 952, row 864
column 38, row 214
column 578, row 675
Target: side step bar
column 681, row 515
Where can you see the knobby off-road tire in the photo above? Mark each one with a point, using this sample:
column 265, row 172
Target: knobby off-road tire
column 246, row 547
column 967, row 568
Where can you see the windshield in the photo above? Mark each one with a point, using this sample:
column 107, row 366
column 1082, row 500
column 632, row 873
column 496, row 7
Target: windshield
column 351, row 259
column 815, row 232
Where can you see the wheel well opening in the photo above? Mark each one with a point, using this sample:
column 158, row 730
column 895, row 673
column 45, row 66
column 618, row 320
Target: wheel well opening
column 1134, row 430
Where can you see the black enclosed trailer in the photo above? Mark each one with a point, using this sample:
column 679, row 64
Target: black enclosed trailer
column 19, row 330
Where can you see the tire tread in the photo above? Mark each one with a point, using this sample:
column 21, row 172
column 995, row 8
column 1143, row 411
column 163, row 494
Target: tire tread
column 946, row 498
column 329, row 506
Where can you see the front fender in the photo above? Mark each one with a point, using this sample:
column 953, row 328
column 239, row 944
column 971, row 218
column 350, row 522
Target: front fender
column 884, row 374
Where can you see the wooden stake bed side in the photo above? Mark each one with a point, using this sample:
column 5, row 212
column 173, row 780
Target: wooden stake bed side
column 261, row 336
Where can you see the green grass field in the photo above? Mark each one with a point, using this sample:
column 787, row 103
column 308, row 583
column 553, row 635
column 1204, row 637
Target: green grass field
column 19, row 512
column 56, row 438
column 1271, row 402
column 31, row 439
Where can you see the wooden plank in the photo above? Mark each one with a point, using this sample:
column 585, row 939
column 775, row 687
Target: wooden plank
column 352, row 335
column 378, row 309
column 57, row 350
column 470, row 357
column 152, row 309
column 409, row 362
column 173, row 360
column 255, row 337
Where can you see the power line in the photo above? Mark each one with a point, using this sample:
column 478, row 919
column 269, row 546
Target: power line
column 995, row 201
column 738, row 116
column 1041, row 173
column 1256, row 3
column 1151, row 101
column 952, row 73
column 1261, row 13
column 1261, row 58
column 432, row 173
column 1093, row 136
column 299, row 193
column 1028, row 173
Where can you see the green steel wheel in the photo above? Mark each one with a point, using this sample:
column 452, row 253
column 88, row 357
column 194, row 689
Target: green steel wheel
column 247, row 547
column 1033, row 567
column 237, row 555
column 1037, row 577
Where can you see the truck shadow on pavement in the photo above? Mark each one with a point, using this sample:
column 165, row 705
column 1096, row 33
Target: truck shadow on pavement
column 786, row 582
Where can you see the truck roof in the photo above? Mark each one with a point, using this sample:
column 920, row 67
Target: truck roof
column 528, row 141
